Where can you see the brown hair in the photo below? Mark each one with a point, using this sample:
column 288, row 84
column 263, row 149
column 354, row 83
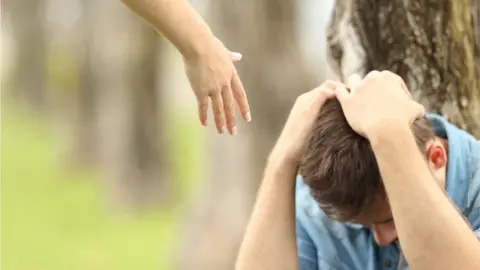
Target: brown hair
column 339, row 166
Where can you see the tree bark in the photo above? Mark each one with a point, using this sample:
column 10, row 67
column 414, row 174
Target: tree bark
column 476, row 23
column 431, row 44
column 28, row 82
column 273, row 73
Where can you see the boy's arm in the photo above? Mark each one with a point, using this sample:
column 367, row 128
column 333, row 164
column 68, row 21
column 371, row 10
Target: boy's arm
column 269, row 241
column 432, row 233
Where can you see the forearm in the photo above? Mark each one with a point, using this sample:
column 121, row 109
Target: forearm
column 177, row 21
column 269, row 241
column 432, row 233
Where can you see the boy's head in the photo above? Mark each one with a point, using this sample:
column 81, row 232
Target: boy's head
column 340, row 168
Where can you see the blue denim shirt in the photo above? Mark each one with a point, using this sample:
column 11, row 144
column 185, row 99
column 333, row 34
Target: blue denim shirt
column 326, row 244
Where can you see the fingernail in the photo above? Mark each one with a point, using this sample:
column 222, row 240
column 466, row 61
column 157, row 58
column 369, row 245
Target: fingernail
column 234, row 130
column 248, row 117
column 204, row 123
column 237, row 55
column 221, row 130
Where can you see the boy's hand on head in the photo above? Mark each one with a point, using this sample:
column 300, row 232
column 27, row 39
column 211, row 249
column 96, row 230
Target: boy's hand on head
column 379, row 100
column 299, row 123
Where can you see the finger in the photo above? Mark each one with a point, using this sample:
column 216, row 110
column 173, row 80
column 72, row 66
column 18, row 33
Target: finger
column 325, row 91
column 329, row 84
column 320, row 94
column 342, row 94
column 203, row 110
column 399, row 80
column 218, row 114
column 236, row 56
column 418, row 111
column 324, row 95
column 229, row 108
column 240, row 97
column 354, row 81
column 372, row 75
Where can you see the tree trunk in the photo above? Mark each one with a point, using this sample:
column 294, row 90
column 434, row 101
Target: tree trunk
column 431, row 44
column 273, row 70
column 476, row 23
column 273, row 74
column 28, row 82
column 83, row 137
column 126, row 52
column 147, row 145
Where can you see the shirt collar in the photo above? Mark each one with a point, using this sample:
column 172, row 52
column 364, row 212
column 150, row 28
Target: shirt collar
column 458, row 171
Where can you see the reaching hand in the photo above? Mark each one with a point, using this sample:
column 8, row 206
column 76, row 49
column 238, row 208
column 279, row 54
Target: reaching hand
column 213, row 76
column 376, row 102
column 301, row 118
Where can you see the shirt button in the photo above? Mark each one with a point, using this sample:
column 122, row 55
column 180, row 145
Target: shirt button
column 388, row 263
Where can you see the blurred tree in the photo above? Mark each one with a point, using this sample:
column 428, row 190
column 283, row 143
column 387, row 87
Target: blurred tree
column 83, row 116
column 432, row 45
column 273, row 73
column 476, row 23
column 125, row 54
column 148, row 140
column 70, row 87
column 26, row 20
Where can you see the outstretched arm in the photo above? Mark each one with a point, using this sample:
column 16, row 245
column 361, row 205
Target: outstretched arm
column 269, row 242
column 177, row 21
column 208, row 64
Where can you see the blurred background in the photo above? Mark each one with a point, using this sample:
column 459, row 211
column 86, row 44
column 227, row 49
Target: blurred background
column 104, row 163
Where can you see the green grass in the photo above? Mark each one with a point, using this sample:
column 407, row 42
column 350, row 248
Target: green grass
column 53, row 219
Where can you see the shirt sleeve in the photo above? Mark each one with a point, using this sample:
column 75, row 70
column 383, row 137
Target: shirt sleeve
column 474, row 215
column 307, row 253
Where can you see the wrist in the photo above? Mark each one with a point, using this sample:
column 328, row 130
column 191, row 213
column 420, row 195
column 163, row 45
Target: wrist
column 283, row 158
column 200, row 44
column 281, row 171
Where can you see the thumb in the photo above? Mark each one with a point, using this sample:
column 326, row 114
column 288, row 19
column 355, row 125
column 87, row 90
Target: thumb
column 236, row 56
column 418, row 111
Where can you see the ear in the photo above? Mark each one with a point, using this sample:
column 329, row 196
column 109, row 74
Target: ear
column 436, row 154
